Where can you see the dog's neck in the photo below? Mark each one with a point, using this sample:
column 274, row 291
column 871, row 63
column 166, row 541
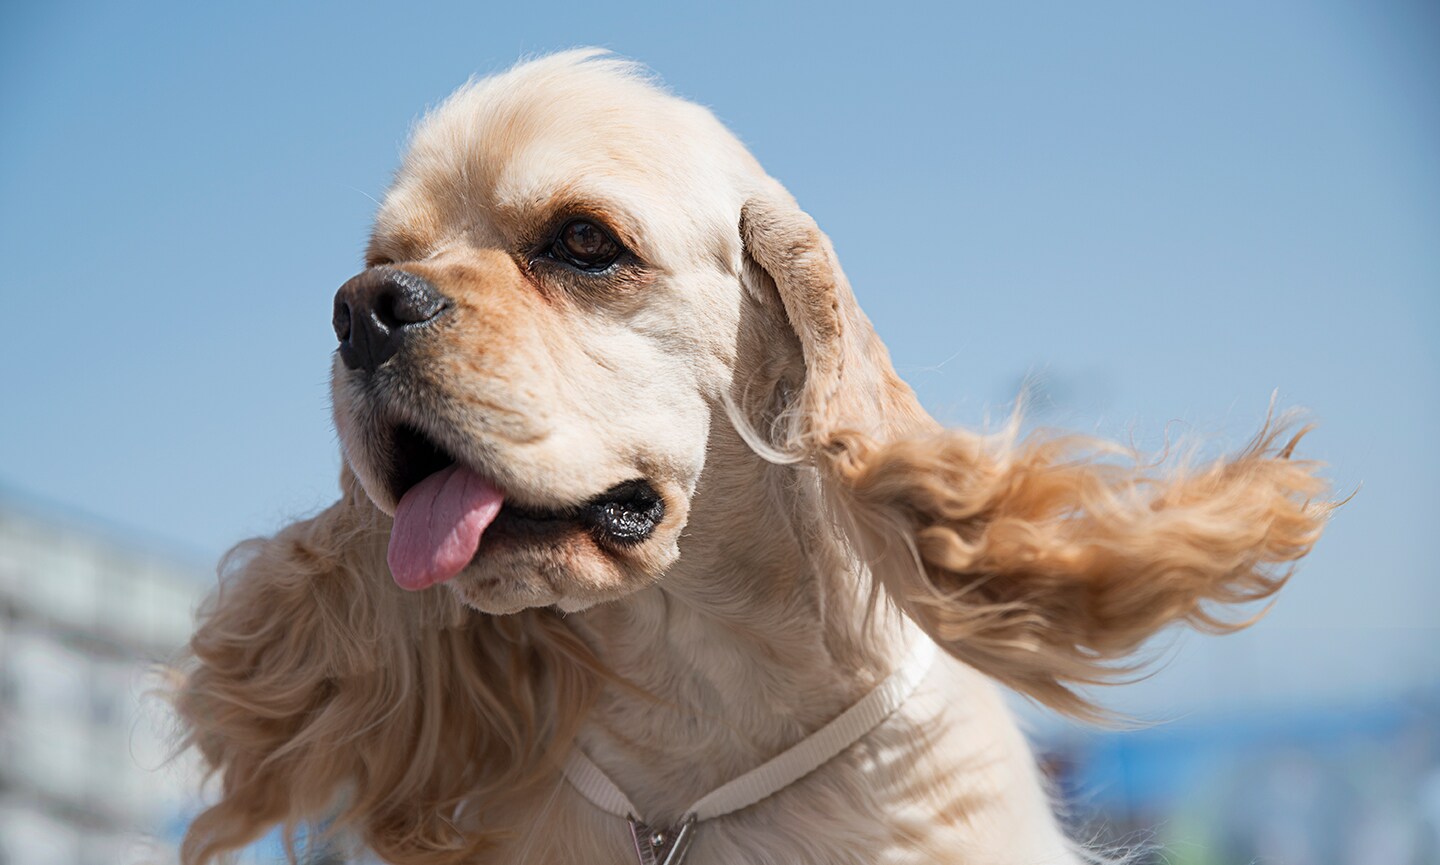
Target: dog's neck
column 758, row 637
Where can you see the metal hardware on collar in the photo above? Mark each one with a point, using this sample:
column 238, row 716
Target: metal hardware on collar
column 666, row 846
column 661, row 846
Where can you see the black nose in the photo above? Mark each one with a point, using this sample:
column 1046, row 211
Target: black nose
column 376, row 311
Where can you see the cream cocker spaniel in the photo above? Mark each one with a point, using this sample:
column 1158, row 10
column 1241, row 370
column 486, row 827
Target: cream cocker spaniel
column 634, row 505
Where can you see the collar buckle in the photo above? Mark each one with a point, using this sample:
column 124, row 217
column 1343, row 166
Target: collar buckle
column 660, row 846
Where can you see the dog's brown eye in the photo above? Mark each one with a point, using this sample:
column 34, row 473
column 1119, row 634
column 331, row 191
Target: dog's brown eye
column 585, row 245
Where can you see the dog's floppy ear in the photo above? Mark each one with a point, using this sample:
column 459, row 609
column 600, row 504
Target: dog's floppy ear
column 849, row 383
column 317, row 689
column 1043, row 561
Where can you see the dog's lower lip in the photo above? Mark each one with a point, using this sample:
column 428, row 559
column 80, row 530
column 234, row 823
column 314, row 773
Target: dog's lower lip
column 624, row 515
column 627, row 513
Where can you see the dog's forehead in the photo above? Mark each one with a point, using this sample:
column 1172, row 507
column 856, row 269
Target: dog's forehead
column 584, row 131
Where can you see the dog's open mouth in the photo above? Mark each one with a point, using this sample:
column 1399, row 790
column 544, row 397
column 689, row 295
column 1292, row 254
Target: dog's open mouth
column 446, row 508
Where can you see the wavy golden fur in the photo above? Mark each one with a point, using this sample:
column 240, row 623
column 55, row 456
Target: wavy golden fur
column 312, row 681
column 433, row 728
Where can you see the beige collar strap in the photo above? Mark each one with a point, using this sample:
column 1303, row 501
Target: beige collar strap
column 665, row 847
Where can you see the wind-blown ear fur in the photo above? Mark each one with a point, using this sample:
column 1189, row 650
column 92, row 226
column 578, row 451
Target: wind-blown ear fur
column 318, row 689
column 1043, row 562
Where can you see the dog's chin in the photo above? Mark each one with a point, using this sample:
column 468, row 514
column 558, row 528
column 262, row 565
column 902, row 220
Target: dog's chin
column 522, row 591
column 569, row 571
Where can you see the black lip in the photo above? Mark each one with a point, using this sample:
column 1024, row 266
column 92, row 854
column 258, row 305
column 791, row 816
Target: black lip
column 624, row 515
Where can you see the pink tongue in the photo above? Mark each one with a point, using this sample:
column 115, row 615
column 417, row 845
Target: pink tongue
column 438, row 524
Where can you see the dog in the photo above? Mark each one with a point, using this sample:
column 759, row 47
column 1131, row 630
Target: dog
column 631, row 492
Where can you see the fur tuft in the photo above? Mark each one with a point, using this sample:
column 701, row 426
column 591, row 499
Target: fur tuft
column 1043, row 562
column 313, row 674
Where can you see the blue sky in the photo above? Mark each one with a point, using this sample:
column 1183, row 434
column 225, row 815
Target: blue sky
column 1156, row 214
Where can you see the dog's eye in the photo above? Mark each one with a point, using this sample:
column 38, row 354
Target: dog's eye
column 585, row 245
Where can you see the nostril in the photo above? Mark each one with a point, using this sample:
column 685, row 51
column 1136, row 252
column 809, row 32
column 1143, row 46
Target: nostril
column 385, row 308
column 341, row 320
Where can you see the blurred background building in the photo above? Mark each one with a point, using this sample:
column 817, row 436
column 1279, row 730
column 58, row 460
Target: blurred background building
column 84, row 621
column 89, row 619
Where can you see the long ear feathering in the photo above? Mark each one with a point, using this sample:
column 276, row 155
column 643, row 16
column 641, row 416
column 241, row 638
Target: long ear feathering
column 319, row 690
column 1045, row 561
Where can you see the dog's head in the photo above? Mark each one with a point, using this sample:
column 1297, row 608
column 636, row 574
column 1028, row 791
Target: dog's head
column 550, row 315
